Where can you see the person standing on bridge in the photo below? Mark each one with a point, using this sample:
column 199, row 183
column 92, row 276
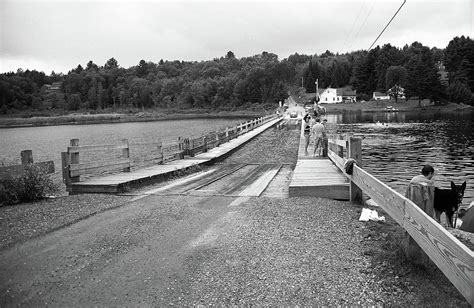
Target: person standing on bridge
column 307, row 131
column 325, row 138
column 317, row 132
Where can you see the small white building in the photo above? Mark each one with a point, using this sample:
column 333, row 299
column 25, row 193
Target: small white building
column 379, row 95
column 330, row 96
column 333, row 96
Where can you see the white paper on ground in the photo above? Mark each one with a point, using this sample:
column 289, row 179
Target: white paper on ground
column 368, row 214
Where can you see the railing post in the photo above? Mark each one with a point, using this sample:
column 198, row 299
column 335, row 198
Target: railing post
column 355, row 152
column 340, row 149
column 26, row 157
column 191, row 147
column 160, row 151
column 65, row 162
column 126, row 154
column 423, row 196
column 74, row 159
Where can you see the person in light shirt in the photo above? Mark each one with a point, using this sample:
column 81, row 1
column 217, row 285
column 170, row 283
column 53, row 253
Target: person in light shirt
column 317, row 133
column 427, row 173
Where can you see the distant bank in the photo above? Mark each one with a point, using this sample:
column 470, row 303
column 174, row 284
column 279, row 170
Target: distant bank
column 102, row 118
column 151, row 115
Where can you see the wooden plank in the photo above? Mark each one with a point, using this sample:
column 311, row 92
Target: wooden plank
column 258, row 186
column 340, row 192
column 452, row 257
column 101, row 166
column 337, row 160
column 95, row 147
column 341, row 143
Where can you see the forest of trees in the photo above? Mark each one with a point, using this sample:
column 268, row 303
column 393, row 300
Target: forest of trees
column 254, row 82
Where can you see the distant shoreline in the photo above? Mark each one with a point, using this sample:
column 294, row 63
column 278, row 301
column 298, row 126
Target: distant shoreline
column 111, row 118
column 148, row 116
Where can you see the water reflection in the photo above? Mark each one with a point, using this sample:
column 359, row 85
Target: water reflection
column 395, row 149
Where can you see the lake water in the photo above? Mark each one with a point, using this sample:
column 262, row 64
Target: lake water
column 47, row 142
column 394, row 152
column 395, row 149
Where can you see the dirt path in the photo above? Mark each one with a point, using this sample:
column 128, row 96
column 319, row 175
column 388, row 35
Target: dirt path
column 185, row 251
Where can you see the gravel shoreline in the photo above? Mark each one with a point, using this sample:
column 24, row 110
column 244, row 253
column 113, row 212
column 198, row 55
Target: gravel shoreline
column 19, row 223
column 307, row 251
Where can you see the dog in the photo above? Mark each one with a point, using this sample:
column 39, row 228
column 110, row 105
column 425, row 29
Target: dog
column 448, row 200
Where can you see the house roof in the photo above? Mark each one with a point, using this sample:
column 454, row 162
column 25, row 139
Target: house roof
column 348, row 93
column 345, row 92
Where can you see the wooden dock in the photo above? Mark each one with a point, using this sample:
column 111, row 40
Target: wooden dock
column 119, row 182
column 317, row 176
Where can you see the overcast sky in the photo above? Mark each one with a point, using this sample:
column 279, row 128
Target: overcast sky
column 58, row 35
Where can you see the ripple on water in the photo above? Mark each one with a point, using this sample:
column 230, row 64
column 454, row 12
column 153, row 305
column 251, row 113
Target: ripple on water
column 396, row 153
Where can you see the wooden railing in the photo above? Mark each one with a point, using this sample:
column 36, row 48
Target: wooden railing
column 26, row 161
column 193, row 146
column 102, row 160
column 451, row 256
column 116, row 157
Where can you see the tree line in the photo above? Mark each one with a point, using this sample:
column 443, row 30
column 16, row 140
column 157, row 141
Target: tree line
column 437, row 74
column 260, row 81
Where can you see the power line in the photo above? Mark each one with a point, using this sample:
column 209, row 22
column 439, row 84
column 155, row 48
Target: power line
column 363, row 24
column 387, row 24
column 353, row 24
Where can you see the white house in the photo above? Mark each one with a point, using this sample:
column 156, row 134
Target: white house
column 380, row 95
column 332, row 96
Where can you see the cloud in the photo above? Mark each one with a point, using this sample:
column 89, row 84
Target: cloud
column 66, row 33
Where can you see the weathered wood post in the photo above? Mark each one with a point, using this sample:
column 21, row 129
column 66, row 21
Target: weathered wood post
column 340, row 149
column 126, row 154
column 181, row 147
column 355, row 152
column 423, row 196
column 74, row 158
column 26, row 157
column 65, row 162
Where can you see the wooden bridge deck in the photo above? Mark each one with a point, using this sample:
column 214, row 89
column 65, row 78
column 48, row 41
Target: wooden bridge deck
column 317, row 176
column 114, row 183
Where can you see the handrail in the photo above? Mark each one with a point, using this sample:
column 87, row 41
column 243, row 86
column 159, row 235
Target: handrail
column 451, row 256
column 73, row 169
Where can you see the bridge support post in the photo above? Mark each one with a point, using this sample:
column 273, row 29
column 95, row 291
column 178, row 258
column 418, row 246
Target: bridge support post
column 355, row 152
column 26, row 157
column 74, row 159
column 126, row 153
column 423, row 197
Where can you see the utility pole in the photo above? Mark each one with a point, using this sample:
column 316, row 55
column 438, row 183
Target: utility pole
column 317, row 89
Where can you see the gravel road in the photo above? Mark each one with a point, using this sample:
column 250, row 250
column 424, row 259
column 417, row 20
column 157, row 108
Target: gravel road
column 210, row 250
